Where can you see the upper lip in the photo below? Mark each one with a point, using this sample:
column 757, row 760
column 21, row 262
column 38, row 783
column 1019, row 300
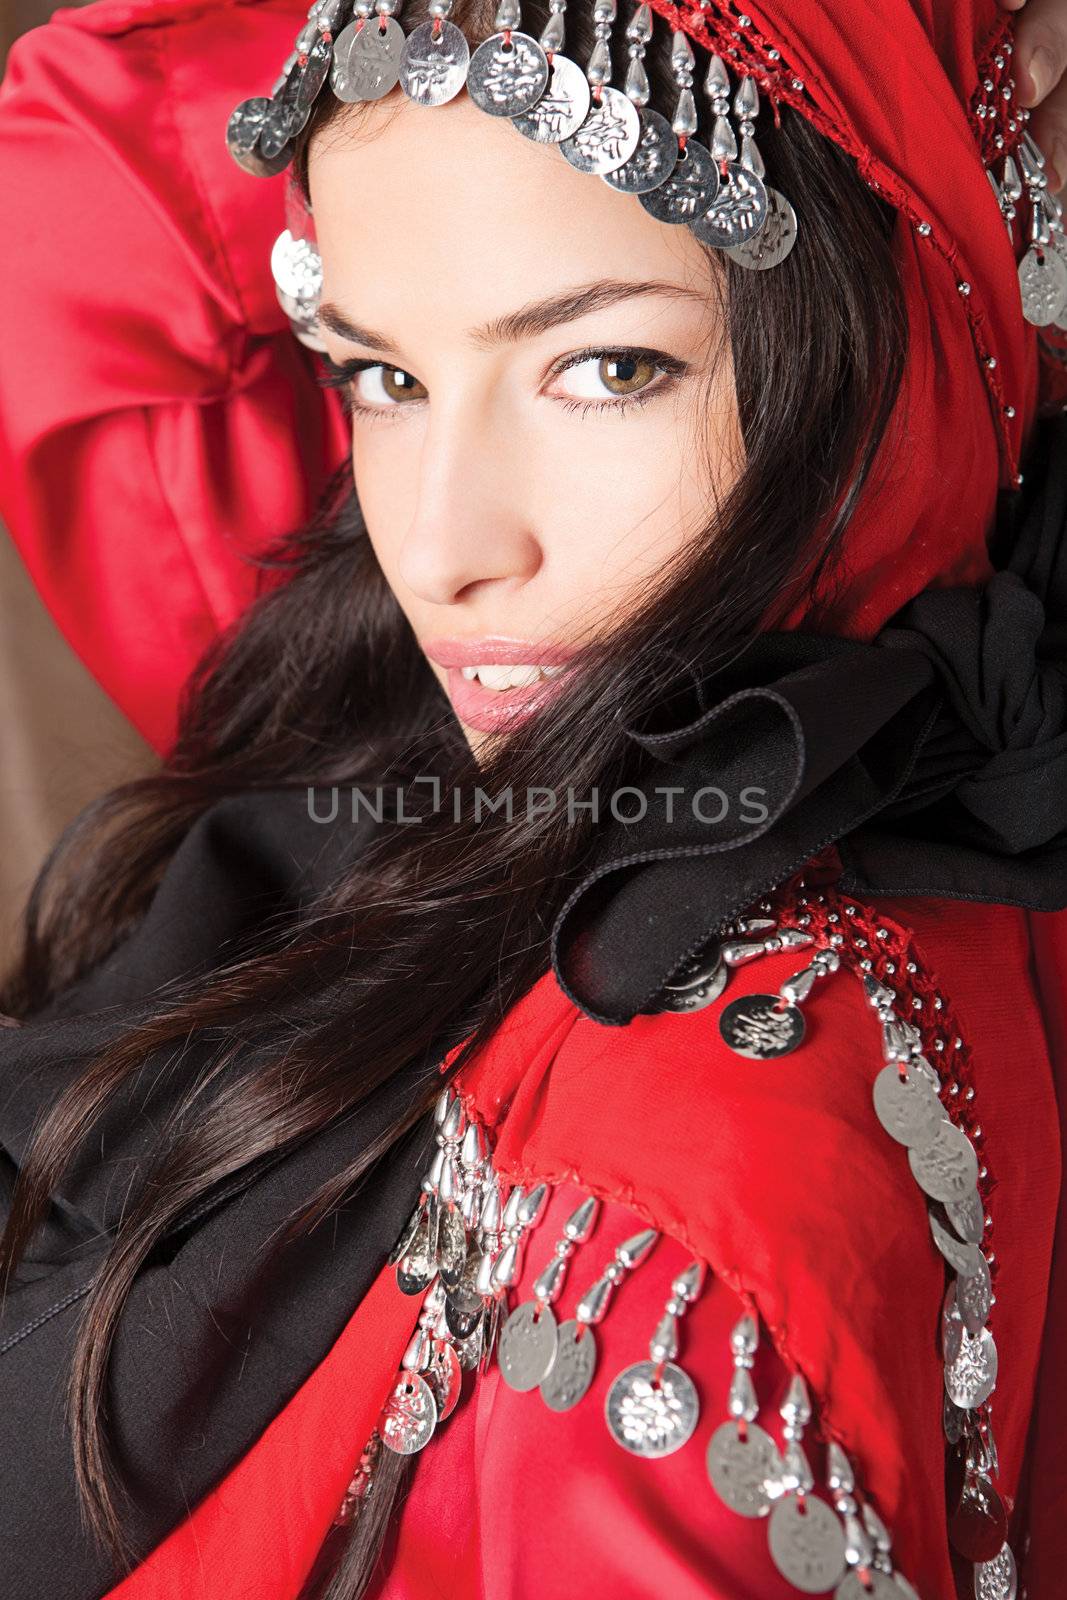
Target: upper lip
column 496, row 651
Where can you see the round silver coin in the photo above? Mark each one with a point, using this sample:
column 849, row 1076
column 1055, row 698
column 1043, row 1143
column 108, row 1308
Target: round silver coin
column 967, row 1259
column 469, row 1350
column 527, row 1347
column 434, row 69
column 296, row 268
column 907, row 1108
column 738, row 211
column 562, row 108
column 974, row 1297
column 972, row 1377
column 807, row 1546
column 760, row 1027
column 1043, row 282
column 997, row 1579
column 409, row 1416
column 701, row 980
column 243, row 131
column 967, row 1216
column 445, row 1377
column 690, row 189
column 313, row 75
column 416, row 1270
column 366, row 59
column 507, row 76
column 740, row 1467
column 608, row 136
column 654, row 159
column 572, row 1371
column 652, row 1415
column 947, row 1167
column 770, row 245
column 879, row 1586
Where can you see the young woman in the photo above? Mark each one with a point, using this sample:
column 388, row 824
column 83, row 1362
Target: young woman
column 558, row 1082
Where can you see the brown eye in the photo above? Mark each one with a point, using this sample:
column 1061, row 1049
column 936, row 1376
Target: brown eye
column 623, row 375
column 382, row 388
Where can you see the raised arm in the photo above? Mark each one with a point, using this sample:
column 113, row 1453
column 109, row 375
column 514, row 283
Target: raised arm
column 158, row 421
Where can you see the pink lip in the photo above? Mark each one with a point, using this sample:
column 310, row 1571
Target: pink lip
column 496, row 710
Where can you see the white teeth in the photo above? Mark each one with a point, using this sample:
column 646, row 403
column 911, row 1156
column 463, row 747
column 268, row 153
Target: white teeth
column 506, row 677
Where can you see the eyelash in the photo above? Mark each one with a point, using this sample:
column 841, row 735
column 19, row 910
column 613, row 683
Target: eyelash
column 340, row 375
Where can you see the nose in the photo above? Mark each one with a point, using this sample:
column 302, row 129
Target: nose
column 473, row 524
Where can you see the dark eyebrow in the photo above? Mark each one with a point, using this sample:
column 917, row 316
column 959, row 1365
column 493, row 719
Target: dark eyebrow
column 528, row 321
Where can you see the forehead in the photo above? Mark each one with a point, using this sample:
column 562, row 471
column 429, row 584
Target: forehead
column 448, row 214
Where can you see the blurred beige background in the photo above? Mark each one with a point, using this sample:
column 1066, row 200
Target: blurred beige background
column 62, row 741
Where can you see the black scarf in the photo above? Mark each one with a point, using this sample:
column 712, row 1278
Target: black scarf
column 935, row 758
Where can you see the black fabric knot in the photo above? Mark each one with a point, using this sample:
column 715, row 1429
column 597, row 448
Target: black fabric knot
column 933, row 757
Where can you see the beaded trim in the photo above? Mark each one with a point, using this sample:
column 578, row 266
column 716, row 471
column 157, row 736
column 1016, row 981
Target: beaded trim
column 462, row 1251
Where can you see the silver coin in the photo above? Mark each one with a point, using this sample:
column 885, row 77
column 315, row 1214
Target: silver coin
column 433, row 69
column 463, row 1298
column 951, row 1326
column 409, row 1416
column 738, row 211
column 760, row 1027
column 907, row 1108
column 967, row 1259
column 769, row 245
column 366, row 59
column 651, row 1410
column 572, row 1371
column 972, row 1377
column 562, row 108
column 919, row 1067
column 451, row 1247
column 527, row 1347
column 690, row 189
column 967, row 1216
column 608, row 136
column 946, row 1168
column 974, row 1296
column 296, row 268
column 1043, row 282
column 807, row 1543
column 417, row 1269
column 654, row 159
column 445, row 1377
column 878, row 1586
column 997, row 1579
column 243, row 135
column 739, row 1467
column 952, row 1421
column 507, row 75
column 313, row 74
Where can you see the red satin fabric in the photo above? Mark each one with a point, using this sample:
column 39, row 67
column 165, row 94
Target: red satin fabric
column 780, row 1177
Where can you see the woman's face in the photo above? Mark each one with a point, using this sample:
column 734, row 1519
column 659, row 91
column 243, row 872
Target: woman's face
column 533, row 361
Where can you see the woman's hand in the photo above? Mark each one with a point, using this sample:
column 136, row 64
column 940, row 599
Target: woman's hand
column 1041, row 77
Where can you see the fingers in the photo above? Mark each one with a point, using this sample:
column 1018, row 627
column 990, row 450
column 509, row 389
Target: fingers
column 1041, row 77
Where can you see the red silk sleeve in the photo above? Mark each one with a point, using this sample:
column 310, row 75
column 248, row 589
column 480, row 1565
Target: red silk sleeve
column 159, row 423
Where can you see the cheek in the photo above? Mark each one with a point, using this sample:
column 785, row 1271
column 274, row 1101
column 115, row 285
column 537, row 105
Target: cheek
column 386, row 486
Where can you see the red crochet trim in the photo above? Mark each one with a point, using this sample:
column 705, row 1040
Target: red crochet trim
column 724, row 28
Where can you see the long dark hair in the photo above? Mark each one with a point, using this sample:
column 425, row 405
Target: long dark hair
column 323, row 683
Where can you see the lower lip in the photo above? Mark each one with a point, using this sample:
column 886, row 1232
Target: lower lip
column 496, row 710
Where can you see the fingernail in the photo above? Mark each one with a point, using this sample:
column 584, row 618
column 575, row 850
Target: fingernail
column 1042, row 70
